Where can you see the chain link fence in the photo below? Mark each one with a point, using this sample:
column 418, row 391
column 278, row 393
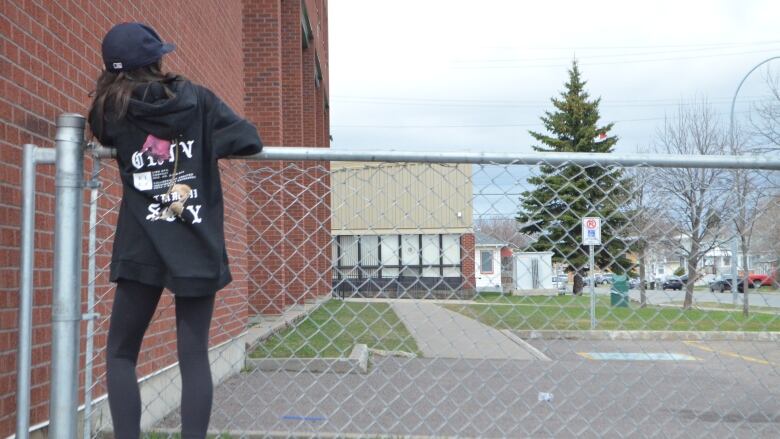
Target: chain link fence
column 411, row 298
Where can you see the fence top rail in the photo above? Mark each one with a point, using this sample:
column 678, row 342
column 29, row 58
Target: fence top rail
column 550, row 158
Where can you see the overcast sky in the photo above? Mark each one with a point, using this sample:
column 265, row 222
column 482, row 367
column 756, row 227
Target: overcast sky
column 476, row 75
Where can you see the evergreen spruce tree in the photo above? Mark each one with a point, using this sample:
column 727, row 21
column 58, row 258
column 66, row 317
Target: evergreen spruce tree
column 562, row 194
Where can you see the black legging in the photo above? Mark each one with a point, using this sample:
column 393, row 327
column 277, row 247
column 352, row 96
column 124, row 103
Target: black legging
column 134, row 307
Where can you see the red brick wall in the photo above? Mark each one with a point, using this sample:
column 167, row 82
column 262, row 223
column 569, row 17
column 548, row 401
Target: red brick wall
column 292, row 78
column 51, row 57
column 467, row 263
column 318, row 15
column 263, row 106
column 290, row 228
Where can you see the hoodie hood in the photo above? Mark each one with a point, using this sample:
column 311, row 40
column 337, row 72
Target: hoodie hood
column 154, row 112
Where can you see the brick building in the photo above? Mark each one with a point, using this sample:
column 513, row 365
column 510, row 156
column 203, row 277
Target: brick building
column 268, row 59
column 285, row 43
column 402, row 230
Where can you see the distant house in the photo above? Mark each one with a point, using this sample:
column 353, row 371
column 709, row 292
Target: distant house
column 501, row 267
column 663, row 265
column 663, row 262
column 718, row 262
column 767, row 264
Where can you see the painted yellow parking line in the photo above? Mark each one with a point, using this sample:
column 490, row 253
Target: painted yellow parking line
column 698, row 345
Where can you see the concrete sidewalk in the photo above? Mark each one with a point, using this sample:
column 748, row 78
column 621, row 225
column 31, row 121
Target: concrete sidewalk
column 441, row 333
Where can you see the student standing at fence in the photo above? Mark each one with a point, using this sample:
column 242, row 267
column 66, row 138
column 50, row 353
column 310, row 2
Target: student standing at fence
column 168, row 134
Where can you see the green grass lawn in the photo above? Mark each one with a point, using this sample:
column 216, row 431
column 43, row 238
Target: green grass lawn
column 335, row 327
column 573, row 313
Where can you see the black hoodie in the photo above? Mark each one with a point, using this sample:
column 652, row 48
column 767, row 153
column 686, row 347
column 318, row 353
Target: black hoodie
column 182, row 251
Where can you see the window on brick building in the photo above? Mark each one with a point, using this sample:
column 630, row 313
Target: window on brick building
column 390, row 256
column 317, row 71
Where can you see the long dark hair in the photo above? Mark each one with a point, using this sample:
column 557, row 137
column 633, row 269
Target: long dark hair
column 113, row 90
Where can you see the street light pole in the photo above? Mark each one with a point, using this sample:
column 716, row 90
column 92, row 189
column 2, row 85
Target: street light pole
column 734, row 249
column 734, row 99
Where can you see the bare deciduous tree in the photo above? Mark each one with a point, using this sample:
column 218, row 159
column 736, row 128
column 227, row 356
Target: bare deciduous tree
column 505, row 229
column 767, row 228
column 695, row 197
column 765, row 117
column 644, row 225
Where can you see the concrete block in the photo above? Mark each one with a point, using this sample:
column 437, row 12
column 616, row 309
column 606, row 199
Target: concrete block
column 357, row 362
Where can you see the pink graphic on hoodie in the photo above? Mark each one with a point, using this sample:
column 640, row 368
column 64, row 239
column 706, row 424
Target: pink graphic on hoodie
column 159, row 149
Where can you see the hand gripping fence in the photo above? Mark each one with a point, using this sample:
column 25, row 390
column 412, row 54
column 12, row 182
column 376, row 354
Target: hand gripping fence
column 436, row 294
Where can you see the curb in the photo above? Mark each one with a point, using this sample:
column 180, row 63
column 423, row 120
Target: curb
column 525, row 345
column 650, row 335
column 384, row 353
column 357, row 363
column 709, row 308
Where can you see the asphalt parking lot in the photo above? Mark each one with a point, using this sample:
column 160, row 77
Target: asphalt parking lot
column 726, row 389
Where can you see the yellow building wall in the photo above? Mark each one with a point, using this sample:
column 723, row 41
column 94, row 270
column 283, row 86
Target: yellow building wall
column 373, row 198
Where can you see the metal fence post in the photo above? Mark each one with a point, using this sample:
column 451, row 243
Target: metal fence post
column 91, row 315
column 66, row 301
column 32, row 155
column 734, row 268
column 592, row 279
column 26, row 293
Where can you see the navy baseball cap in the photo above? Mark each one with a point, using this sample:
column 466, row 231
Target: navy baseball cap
column 128, row 46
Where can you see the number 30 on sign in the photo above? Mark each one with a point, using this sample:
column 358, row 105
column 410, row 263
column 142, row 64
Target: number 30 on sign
column 591, row 231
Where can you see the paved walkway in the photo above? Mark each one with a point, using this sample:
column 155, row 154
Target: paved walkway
column 441, row 333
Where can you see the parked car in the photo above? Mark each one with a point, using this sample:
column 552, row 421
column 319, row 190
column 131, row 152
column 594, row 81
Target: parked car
column 602, row 278
column 633, row 283
column 675, row 283
column 723, row 284
column 762, row 280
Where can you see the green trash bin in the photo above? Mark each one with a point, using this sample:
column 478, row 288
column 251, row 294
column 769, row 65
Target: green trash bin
column 618, row 295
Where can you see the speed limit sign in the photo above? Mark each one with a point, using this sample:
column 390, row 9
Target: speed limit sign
column 591, row 230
